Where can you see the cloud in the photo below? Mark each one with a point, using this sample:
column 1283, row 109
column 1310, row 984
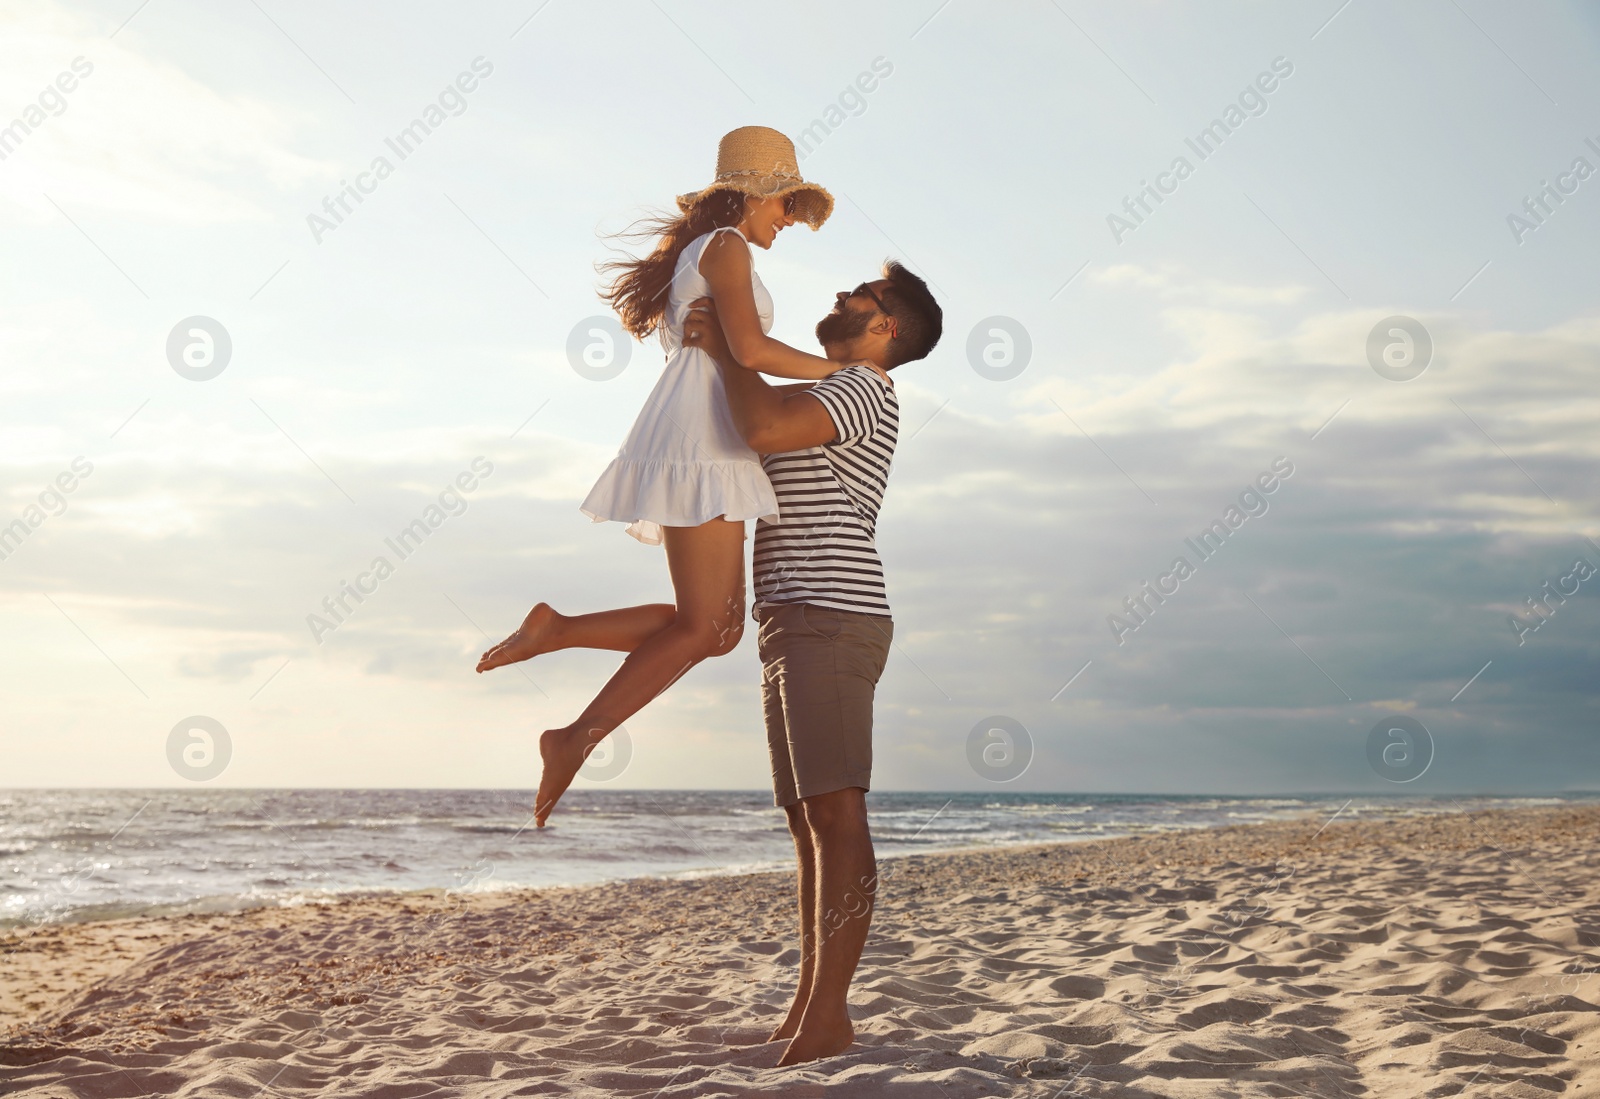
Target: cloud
column 138, row 136
column 1172, row 282
column 1383, row 569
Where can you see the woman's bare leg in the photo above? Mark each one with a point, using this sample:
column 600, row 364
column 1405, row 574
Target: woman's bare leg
column 707, row 566
column 545, row 630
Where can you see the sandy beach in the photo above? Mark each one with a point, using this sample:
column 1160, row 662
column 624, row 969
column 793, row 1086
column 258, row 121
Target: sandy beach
column 1436, row 955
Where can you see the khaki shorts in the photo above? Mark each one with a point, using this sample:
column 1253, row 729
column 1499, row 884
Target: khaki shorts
column 819, row 671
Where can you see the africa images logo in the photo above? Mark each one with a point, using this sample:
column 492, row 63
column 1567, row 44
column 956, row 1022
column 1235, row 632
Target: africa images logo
column 452, row 99
column 1253, row 503
column 1252, row 102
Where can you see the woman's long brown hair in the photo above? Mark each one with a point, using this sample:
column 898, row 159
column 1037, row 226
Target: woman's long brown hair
column 638, row 292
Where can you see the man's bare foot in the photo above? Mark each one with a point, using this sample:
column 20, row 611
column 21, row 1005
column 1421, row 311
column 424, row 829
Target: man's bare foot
column 528, row 640
column 817, row 1039
column 562, row 752
column 791, row 1023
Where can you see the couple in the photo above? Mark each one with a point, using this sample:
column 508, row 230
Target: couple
column 715, row 446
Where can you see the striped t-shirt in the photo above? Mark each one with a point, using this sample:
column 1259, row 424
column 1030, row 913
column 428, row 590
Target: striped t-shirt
column 821, row 549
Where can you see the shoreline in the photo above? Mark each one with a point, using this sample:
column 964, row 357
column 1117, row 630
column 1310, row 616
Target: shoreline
column 716, row 951
column 221, row 905
column 107, row 939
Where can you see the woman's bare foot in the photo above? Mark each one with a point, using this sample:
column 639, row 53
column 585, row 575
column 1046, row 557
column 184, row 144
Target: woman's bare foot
column 819, row 1039
column 562, row 752
column 528, row 640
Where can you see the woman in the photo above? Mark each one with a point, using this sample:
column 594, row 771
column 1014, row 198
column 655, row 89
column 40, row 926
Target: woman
column 684, row 477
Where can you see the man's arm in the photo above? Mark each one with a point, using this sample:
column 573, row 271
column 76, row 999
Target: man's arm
column 772, row 419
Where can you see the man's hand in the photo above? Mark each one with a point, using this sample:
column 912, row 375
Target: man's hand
column 703, row 329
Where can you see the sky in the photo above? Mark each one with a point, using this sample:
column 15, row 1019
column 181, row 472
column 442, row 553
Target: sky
column 1184, row 252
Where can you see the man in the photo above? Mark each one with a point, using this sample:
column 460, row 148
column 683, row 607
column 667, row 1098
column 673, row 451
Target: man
column 825, row 626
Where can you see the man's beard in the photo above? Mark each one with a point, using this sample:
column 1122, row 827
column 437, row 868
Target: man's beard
column 842, row 327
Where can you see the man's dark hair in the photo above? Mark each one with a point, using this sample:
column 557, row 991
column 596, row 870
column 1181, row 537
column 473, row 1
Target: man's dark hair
column 919, row 322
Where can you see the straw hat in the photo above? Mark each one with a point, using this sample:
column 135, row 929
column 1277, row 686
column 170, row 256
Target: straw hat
column 759, row 161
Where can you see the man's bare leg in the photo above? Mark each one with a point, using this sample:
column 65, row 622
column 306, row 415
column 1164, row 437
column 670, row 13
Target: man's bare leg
column 847, row 881
column 707, row 566
column 545, row 630
column 805, row 854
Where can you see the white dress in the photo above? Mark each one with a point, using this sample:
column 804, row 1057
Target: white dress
column 684, row 462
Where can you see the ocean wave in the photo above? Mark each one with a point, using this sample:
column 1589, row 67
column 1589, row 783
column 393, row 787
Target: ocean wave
column 217, row 851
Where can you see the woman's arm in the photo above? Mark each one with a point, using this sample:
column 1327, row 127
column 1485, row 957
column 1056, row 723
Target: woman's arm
column 725, row 265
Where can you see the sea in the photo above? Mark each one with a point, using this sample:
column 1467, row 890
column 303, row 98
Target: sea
column 76, row 855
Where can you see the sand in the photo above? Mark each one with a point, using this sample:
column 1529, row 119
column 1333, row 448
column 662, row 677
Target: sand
column 1446, row 955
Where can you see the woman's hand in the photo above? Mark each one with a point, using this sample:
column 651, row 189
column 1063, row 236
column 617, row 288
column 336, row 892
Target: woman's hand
column 875, row 368
column 703, row 329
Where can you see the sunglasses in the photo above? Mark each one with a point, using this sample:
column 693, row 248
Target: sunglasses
column 867, row 290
